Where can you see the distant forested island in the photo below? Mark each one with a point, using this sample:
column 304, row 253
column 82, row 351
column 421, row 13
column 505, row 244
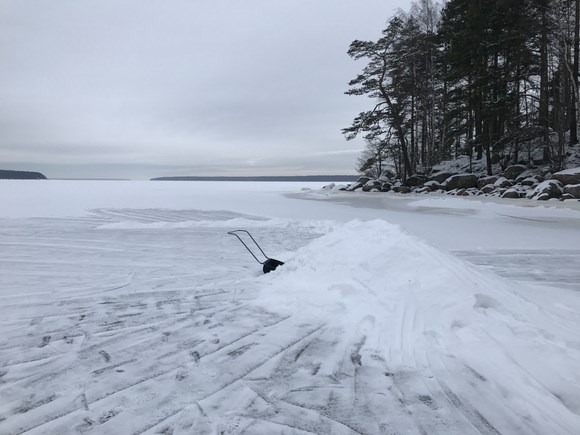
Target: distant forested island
column 6, row 174
column 323, row 178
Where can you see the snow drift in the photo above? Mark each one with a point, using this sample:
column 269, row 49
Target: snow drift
column 414, row 308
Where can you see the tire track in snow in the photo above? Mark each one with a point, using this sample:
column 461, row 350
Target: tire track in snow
column 238, row 377
column 155, row 375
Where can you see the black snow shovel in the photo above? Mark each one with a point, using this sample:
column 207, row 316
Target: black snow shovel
column 269, row 264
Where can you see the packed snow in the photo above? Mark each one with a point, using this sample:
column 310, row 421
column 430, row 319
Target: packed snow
column 127, row 308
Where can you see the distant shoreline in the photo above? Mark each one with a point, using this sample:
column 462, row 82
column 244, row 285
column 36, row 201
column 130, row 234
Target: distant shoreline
column 10, row 174
column 91, row 179
column 322, row 178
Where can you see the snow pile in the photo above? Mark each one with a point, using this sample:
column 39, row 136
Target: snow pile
column 419, row 309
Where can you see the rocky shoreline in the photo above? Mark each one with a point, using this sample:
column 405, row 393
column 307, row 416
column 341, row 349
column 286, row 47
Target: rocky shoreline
column 516, row 181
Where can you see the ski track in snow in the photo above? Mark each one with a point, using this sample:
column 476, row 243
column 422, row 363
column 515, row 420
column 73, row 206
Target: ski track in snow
column 130, row 321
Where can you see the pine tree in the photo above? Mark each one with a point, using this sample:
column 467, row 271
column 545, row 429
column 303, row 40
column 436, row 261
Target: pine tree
column 375, row 82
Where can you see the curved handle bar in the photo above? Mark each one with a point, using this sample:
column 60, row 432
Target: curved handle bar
column 233, row 233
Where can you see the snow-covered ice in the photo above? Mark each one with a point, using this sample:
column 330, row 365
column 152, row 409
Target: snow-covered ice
column 126, row 308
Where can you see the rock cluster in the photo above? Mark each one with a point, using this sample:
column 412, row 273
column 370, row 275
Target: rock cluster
column 516, row 181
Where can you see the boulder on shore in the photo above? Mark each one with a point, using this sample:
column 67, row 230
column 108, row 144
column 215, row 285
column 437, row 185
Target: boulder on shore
column 416, row 180
column 568, row 176
column 511, row 193
column 461, row 181
column 530, row 173
column 484, row 181
column 371, row 184
column 511, row 172
column 503, row 183
column 354, row 186
column 433, row 185
column 531, row 181
column 386, row 187
column 488, row 188
column 573, row 189
column 440, row 177
column 546, row 190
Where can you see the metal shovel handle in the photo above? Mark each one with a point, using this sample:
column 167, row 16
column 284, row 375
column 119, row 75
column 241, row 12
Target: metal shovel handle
column 234, row 233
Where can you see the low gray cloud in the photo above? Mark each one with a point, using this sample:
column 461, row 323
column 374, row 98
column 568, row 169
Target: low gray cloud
column 143, row 88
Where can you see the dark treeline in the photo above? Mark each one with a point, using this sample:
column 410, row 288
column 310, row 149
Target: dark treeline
column 6, row 174
column 303, row 178
column 482, row 78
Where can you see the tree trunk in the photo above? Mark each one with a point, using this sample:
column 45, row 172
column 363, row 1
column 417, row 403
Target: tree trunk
column 517, row 116
column 574, row 106
column 478, row 138
column 544, row 91
column 487, row 140
column 413, row 157
column 398, row 124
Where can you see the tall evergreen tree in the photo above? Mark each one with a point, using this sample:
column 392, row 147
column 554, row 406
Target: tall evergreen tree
column 477, row 77
column 374, row 81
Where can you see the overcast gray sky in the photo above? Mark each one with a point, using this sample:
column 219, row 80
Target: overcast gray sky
column 146, row 88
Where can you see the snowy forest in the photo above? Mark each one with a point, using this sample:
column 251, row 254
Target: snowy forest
column 491, row 79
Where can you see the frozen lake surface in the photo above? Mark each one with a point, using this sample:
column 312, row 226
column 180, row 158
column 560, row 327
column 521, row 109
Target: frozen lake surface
column 557, row 268
column 126, row 308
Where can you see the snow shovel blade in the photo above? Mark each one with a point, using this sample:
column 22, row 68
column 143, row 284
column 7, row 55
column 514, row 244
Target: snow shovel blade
column 269, row 264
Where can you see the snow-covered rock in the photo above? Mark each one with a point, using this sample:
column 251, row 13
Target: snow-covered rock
column 334, row 187
column 416, row 180
column 354, row 186
column 511, row 172
column 511, row 193
column 573, row 189
column 543, row 197
column 488, row 188
column 499, row 191
column 568, row 197
column 568, row 176
column 535, row 173
column 440, row 177
column 461, row 181
column 371, row 184
column 546, row 190
column 484, row 181
column 531, row 181
column 462, row 192
column 502, row 182
column 433, row 185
